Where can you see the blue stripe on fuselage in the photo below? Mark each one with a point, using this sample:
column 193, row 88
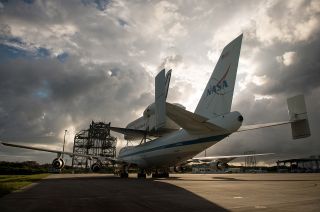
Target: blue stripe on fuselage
column 182, row 143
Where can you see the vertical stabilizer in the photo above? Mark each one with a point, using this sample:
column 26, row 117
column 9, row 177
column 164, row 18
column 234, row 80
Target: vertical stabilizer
column 299, row 117
column 160, row 99
column 217, row 97
column 168, row 77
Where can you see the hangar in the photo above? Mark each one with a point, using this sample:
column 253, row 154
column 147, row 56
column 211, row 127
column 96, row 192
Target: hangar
column 299, row 165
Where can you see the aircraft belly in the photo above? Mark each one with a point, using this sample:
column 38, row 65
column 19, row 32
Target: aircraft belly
column 169, row 150
column 137, row 160
column 174, row 155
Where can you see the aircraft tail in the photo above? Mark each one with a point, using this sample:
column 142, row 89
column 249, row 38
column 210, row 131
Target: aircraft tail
column 217, row 97
column 162, row 82
column 299, row 117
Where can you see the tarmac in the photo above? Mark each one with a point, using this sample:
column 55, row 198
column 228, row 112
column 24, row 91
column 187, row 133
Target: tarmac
column 180, row 192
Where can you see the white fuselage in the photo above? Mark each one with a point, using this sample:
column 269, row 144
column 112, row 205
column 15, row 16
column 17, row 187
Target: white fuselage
column 168, row 150
column 177, row 147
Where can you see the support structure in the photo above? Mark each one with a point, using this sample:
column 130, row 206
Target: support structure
column 94, row 141
column 250, row 161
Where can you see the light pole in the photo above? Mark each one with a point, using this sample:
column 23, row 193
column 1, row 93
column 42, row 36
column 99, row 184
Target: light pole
column 64, row 141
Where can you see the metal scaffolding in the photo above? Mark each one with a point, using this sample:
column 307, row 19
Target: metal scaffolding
column 250, row 161
column 94, row 141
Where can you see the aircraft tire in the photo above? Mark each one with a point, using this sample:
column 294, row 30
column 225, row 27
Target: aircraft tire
column 124, row 175
column 160, row 175
column 142, row 175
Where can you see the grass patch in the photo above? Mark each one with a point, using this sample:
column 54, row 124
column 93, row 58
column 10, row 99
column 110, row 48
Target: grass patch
column 9, row 183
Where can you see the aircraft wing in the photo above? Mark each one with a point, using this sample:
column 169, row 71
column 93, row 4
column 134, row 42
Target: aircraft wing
column 191, row 122
column 71, row 154
column 224, row 159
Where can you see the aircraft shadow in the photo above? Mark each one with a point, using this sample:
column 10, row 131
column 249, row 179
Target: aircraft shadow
column 258, row 180
column 235, row 179
column 107, row 193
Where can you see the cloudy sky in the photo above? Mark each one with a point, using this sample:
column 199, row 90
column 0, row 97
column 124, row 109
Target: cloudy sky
column 65, row 63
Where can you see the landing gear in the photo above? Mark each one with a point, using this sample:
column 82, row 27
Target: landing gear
column 145, row 138
column 142, row 174
column 160, row 175
column 124, row 175
column 124, row 172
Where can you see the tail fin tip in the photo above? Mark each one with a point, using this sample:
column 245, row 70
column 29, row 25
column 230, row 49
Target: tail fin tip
column 299, row 117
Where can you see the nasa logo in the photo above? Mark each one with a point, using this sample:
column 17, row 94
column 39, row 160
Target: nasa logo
column 220, row 86
column 217, row 89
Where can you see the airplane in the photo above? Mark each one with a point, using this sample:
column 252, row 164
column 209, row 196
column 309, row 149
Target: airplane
column 170, row 134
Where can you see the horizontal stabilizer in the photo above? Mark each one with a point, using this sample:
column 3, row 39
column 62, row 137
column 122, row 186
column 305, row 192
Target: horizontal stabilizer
column 259, row 126
column 297, row 118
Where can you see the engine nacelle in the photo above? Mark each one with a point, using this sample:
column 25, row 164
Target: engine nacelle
column 178, row 169
column 96, row 167
column 218, row 165
column 58, row 163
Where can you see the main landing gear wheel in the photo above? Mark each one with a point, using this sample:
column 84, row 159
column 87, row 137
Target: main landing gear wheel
column 160, row 175
column 142, row 175
column 124, row 175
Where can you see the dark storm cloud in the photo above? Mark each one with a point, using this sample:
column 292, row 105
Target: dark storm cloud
column 100, row 4
column 38, row 95
column 303, row 75
column 93, row 78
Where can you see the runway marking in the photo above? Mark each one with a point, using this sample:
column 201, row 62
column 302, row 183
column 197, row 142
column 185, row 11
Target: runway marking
column 26, row 187
column 260, row 206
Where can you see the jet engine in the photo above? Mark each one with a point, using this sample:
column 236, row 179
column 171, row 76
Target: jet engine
column 58, row 163
column 177, row 168
column 218, row 165
column 96, row 167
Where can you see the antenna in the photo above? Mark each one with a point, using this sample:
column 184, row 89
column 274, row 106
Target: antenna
column 64, row 141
